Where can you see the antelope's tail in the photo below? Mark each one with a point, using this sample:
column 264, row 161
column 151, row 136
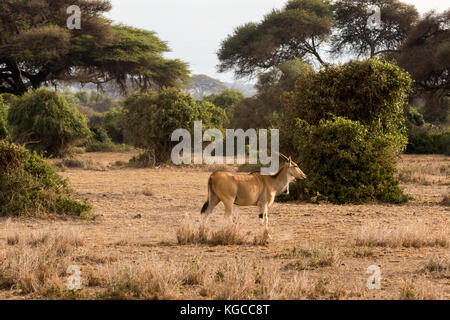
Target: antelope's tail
column 210, row 193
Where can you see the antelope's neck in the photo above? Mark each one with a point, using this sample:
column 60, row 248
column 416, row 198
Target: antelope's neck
column 281, row 179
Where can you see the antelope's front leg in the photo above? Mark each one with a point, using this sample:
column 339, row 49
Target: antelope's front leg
column 262, row 212
column 264, row 215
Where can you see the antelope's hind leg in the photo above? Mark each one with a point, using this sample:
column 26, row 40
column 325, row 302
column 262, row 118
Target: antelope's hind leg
column 229, row 210
column 213, row 202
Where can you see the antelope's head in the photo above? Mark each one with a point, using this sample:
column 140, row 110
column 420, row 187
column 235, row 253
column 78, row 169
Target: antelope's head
column 294, row 170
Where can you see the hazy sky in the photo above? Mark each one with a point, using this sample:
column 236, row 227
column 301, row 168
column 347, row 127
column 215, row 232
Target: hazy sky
column 194, row 29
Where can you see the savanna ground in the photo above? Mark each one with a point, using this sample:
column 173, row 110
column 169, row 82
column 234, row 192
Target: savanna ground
column 145, row 241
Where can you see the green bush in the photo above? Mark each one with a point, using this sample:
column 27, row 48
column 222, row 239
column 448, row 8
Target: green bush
column 428, row 141
column 371, row 91
column 3, row 119
column 99, row 134
column 30, row 186
column 45, row 121
column 8, row 98
column 112, row 122
column 211, row 115
column 414, row 117
column 150, row 119
column 226, row 99
column 346, row 127
column 346, row 162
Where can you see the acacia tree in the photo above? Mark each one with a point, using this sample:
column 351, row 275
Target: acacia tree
column 296, row 31
column 37, row 47
column 354, row 34
column 263, row 109
column 426, row 52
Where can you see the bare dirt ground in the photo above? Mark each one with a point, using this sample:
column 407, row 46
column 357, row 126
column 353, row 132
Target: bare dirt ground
column 326, row 247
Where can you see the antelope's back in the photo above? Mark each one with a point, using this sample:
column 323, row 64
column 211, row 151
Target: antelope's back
column 245, row 188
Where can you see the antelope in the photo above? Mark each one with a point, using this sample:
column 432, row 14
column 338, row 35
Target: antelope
column 251, row 189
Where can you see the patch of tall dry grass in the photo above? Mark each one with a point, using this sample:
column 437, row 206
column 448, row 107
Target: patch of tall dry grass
column 438, row 267
column 425, row 173
column 312, row 257
column 36, row 266
column 229, row 234
column 150, row 279
column 414, row 289
column 416, row 235
column 36, row 263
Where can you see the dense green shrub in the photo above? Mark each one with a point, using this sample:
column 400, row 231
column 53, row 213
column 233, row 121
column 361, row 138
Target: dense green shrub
column 3, row 119
column 8, row 98
column 347, row 162
column 150, row 119
column 99, row 134
column 346, row 127
column 414, row 118
column 226, row 99
column 30, row 186
column 46, row 122
column 112, row 122
column 424, row 140
column 101, row 142
column 211, row 115
column 371, row 91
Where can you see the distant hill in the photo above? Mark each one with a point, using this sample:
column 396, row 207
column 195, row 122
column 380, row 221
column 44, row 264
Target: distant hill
column 247, row 89
column 202, row 85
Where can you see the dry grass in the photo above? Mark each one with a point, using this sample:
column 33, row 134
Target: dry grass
column 194, row 273
column 446, row 200
column 415, row 235
column 234, row 280
column 229, row 234
column 312, row 258
column 362, row 252
column 37, row 263
column 419, row 290
column 425, row 173
column 74, row 163
column 262, row 239
column 438, row 267
column 12, row 239
column 150, row 279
